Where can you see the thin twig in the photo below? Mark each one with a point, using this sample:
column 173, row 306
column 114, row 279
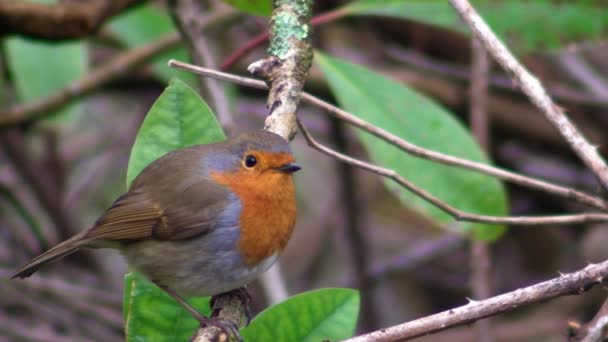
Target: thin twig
column 420, row 253
column 116, row 67
column 13, row 145
column 567, row 284
column 480, row 254
column 428, row 65
column 101, row 75
column 410, row 148
column 190, row 17
column 594, row 330
column 532, row 87
column 456, row 213
column 354, row 221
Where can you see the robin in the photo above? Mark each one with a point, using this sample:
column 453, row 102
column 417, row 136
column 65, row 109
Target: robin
column 201, row 220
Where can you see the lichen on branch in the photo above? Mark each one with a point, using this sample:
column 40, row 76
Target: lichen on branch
column 286, row 68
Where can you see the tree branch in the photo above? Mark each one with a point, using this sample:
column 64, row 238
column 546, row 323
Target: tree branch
column 532, row 87
column 567, row 284
column 231, row 307
column 286, row 68
column 68, row 20
column 410, row 148
column 189, row 15
column 101, row 75
column 480, row 258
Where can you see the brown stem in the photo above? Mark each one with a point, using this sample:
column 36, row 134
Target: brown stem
column 535, row 91
column 456, row 213
column 115, row 68
column 353, row 218
column 190, row 18
column 480, row 255
column 567, row 284
column 68, row 20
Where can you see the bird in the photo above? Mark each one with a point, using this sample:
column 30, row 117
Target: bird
column 201, row 220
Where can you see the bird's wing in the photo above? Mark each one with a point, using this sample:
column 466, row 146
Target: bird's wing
column 137, row 216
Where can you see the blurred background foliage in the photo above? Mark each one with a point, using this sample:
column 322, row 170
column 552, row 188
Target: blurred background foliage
column 410, row 76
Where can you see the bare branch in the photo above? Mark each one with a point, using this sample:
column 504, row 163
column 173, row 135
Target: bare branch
column 480, row 259
column 190, row 17
column 103, row 74
column 410, row 148
column 532, row 87
column 68, row 20
column 96, row 78
column 232, row 308
column 567, row 284
column 594, row 331
column 456, row 213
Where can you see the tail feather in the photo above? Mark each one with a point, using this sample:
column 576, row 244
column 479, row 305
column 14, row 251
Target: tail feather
column 61, row 250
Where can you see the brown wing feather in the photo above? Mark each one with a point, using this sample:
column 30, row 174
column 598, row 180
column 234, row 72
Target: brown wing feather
column 131, row 218
column 183, row 215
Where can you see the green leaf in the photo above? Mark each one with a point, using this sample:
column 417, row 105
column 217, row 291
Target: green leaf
column 179, row 118
column 40, row 69
column 152, row 315
column 400, row 110
column 325, row 314
column 257, row 7
column 145, row 24
column 523, row 24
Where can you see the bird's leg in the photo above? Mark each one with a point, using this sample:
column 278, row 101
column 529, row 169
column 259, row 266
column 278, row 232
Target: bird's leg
column 204, row 321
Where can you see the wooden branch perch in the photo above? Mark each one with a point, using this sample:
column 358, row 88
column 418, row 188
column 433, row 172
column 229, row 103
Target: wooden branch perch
column 567, row 284
column 286, row 68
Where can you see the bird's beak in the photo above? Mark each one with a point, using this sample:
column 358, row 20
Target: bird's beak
column 289, row 168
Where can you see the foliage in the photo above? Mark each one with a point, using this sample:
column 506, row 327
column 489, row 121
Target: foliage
column 145, row 24
column 524, row 24
column 258, row 7
column 320, row 315
column 33, row 80
column 400, row 110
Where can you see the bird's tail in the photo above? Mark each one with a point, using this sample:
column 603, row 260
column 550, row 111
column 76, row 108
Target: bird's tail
column 67, row 247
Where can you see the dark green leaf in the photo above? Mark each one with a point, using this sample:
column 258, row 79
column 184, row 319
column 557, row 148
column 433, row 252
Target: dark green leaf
column 326, row 314
column 145, row 24
column 524, row 24
column 413, row 117
column 152, row 315
column 178, row 118
column 258, row 7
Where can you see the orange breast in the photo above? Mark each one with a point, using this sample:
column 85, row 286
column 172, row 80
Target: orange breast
column 269, row 211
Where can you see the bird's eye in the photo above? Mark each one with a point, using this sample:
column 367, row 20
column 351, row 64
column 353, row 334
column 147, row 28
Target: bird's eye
column 250, row 161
